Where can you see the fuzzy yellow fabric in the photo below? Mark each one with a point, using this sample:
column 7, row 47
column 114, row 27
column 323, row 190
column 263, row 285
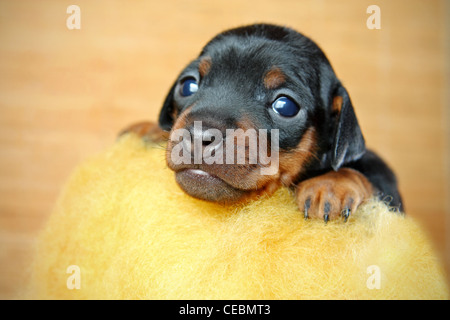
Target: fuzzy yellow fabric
column 133, row 234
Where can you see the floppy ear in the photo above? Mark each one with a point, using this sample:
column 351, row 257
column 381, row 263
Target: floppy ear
column 167, row 113
column 348, row 143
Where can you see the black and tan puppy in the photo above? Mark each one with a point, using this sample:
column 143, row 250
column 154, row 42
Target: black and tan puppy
column 270, row 77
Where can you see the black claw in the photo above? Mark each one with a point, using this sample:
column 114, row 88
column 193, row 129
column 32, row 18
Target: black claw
column 326, row 211
column 346, row 213
column 327, row 208
column 307, row 206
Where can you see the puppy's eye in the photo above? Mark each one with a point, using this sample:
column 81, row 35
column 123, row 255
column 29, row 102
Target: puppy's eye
column 188, row 87
column 285, row 107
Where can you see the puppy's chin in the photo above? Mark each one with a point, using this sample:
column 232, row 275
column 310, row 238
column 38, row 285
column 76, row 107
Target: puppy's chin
column 202, row 185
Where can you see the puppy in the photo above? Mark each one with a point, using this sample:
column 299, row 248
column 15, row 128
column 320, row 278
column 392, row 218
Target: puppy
column 270, row 79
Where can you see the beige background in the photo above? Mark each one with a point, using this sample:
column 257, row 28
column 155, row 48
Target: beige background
column 65, row 94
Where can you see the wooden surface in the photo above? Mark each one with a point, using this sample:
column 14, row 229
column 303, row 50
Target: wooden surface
column 65, row 94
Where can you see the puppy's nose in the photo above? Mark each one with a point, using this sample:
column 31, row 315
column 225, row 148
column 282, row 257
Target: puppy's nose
column 204, row 142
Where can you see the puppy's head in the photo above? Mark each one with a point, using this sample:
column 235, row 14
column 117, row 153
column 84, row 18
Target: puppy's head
column 263, row 86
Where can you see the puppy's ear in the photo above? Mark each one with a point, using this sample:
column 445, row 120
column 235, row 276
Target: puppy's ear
column 348, row 143
column 167, row 113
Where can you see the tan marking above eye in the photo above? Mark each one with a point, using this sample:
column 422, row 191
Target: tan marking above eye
column 337, row 104
column 204, row 66
column 274, row 78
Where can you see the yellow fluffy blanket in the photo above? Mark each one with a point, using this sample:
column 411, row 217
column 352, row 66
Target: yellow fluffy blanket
column 123, row 229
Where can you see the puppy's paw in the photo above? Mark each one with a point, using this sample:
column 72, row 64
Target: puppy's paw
column 333, row 194
column 148, row 131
